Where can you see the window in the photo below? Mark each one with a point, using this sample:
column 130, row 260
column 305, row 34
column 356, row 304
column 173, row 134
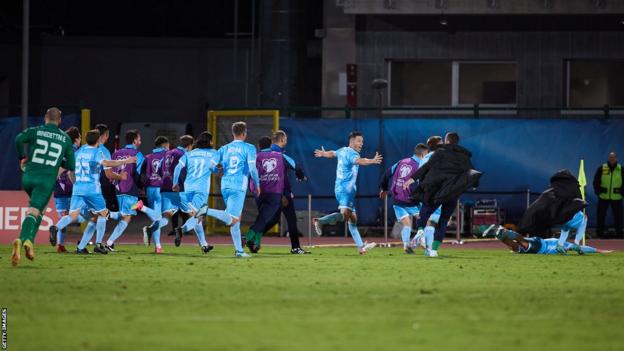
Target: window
column 595, row 83
column 489, row 83
column 452, row 83
column 420, row 83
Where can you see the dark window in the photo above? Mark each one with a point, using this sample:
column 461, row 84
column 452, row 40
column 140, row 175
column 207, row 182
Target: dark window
column 487, row 83
column 595, row 83
column 420, row 83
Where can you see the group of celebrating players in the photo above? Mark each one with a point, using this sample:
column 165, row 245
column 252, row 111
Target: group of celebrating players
column 424, row 186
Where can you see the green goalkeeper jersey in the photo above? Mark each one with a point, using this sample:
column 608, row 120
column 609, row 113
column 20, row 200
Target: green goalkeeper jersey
column 49, row 149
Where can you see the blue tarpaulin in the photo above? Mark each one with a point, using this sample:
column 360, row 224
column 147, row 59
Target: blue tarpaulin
column 514, row 154
column 9, row 128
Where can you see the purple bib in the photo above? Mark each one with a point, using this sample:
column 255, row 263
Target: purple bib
column 403, row 172
column 171, row 159
column 153, row 169
column 127, row 186
column 270, row 165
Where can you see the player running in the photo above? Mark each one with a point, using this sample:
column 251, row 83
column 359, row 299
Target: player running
column 404, row 206
column 87, row 191
column 171, row 199
column 49, row 148
column 349, row 162
column 238, row 159
column 62, row 194
column 152, row 171
column 128, row 188
column 536, row 245
column 199, row 163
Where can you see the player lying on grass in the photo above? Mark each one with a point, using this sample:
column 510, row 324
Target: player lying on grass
column 349, row 162
column 536, row 245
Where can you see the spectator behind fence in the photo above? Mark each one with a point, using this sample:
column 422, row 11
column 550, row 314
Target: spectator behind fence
column 608, row 188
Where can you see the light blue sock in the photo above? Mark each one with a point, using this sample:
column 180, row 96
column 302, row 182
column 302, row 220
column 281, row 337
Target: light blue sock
column 189, row 224
column 119, row 229
column 331, row 218
column 81, row 219
column 564, row 236
column 60, row 237
column 588, row 249
column 220, row 215
column 405, row 234
column 100, row 229
column 156, row 237
column 429, row 230
column 580, row 232
column 116, row 216
column 152, row 214
column 90, row 229
column 236, row 237
column 201, row 236
column 86, row 237
column 63, row 222
column 355, row 234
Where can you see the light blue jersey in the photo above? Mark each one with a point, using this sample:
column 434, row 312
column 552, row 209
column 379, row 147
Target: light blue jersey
column 88, row 167
column 425, row 158
column 238, row 159
column 346, row 170
column 105, row 152
column 199, row 164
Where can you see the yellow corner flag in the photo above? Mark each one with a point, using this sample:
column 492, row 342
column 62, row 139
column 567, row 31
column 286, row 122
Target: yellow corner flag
column 581, row 178
column 582, row 183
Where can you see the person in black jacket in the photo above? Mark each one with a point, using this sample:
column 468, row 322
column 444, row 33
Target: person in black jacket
column 442, row 180
column 608, row 186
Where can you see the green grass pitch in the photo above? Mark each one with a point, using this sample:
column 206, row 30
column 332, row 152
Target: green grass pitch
column 330, row 300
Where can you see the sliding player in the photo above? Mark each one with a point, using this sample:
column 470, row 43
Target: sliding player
column 536, row 245
column 349, row 161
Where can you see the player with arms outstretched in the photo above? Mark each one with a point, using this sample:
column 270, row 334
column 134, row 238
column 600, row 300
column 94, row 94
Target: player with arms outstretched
column 49, row 149
column 349, row 162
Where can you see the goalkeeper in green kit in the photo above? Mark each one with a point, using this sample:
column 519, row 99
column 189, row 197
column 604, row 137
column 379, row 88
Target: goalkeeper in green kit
column 49, row 148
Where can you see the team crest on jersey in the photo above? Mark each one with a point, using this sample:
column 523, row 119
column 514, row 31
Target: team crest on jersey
column 155, row 165
column 405, row 170
column 269, row 164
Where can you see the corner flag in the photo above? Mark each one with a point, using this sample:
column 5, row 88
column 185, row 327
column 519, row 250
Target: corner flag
column 582, row 183
column 581, row 178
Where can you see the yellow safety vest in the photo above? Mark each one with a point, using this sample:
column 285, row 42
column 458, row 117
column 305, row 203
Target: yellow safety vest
column 611, row 182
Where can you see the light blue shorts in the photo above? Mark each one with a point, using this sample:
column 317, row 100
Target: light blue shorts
column 93, row 202
column 62, row 204
column 125, row 204
column 192, row 201
column 170, row 202
column 405, row 211
column 346, row 200
column 575, row 222
column 154, row 199
column 435, row 216
column 234, row 201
